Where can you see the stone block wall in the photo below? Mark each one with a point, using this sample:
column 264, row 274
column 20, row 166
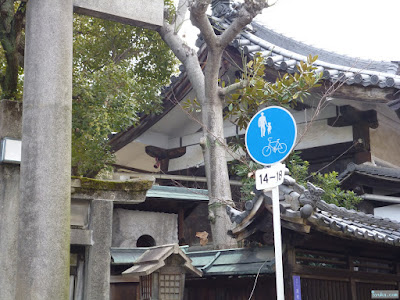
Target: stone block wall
column 10, row 126
column 130, row 225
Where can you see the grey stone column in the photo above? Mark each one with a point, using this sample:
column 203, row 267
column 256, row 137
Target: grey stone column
column 44, row 232
column 98, row 259
column 10, row 126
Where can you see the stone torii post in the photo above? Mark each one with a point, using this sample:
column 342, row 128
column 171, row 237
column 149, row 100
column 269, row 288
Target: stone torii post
column 44, row 227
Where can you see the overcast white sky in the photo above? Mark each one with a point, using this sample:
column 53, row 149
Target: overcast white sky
column 359, row 28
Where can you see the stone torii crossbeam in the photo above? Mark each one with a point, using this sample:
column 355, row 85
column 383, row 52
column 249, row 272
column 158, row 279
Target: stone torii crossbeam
column 44, row 226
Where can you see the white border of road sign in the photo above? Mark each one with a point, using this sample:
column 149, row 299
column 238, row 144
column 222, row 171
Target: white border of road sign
column 257, row 115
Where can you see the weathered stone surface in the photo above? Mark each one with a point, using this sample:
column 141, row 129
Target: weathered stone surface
column 44, row 228
column 10, row 126
column 81, row 237
column 144, row 13
column 80, row 213
column 131, row 191
column 97, row 275
column 10, row 119
column 129, row 225
column 9, row 199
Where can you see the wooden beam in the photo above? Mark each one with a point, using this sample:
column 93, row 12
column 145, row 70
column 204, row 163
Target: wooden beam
column 350, row 116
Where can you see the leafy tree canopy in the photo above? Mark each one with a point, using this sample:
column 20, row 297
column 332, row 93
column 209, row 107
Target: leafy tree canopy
column 118, row 71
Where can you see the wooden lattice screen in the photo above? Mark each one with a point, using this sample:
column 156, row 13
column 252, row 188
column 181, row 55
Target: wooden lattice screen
column 170, row 287
column 145, row 287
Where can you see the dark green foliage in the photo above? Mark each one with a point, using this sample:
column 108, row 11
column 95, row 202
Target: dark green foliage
column 11, row 48
column 118, row 71
column 299, row 171
column 285, row 91
column 333, row 194
column 298, row 168
column 246, row 173
column 328, row 182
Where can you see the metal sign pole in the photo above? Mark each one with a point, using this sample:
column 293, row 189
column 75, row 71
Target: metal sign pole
column 270, row 137
column 280, row 295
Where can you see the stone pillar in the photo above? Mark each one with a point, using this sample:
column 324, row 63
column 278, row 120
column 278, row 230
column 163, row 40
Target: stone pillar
column 44, row 227
column 10, row 126
column 98, row 258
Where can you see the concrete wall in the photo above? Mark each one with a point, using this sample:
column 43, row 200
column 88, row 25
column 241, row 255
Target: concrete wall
column 10, row 126
column 129, row 225
column 385, row 141
column 145, row 13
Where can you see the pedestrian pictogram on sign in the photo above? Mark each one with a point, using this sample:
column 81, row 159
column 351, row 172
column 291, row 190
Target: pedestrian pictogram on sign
column 270, row 135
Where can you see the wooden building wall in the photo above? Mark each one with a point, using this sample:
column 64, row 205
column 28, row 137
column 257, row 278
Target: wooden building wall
column 339, row 269
column 225, row 288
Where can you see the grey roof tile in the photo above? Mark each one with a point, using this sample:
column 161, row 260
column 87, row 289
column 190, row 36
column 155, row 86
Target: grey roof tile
column 284, row 53
column 369, row 170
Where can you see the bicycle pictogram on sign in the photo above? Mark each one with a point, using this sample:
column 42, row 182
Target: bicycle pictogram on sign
column 274, row 146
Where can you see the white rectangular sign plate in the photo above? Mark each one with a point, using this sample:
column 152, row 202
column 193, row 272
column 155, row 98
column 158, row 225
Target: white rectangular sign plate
column 270, row 177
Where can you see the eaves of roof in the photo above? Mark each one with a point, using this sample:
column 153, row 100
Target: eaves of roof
column 180, row 193
column 283, row 53
column 365, row 169
column 349, row 223
column 304, row 208
column 239, row 261
column 172, row 94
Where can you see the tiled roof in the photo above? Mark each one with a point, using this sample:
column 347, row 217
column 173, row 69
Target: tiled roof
column 240, row 261
column 283, row 53
column 349, row 223
column 366, row 169
column 303, row 209
column 155, row 258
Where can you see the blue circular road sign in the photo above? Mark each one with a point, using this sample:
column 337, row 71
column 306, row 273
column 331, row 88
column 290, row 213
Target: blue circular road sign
column 271, row 135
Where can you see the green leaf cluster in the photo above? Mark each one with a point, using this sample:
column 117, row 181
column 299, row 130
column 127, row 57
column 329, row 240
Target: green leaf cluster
column 118, row 73
column 245, row 171
column 11, row 48
column 328, row 182
column 333, row 193
column 299, row 171
column 285, row 91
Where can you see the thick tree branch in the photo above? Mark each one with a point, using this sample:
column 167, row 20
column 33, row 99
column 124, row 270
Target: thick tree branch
column 247, row 12
column 232, row 88
column 187, row 56
column 199, row 18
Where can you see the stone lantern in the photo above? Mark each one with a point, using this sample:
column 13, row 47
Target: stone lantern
column 162, row 271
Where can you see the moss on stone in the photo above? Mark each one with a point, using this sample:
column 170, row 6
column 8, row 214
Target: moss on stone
column 110, row 185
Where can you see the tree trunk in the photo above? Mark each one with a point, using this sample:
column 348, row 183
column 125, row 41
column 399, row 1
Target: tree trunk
column 214, row 149
column 208, row 94
column 217, row 175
